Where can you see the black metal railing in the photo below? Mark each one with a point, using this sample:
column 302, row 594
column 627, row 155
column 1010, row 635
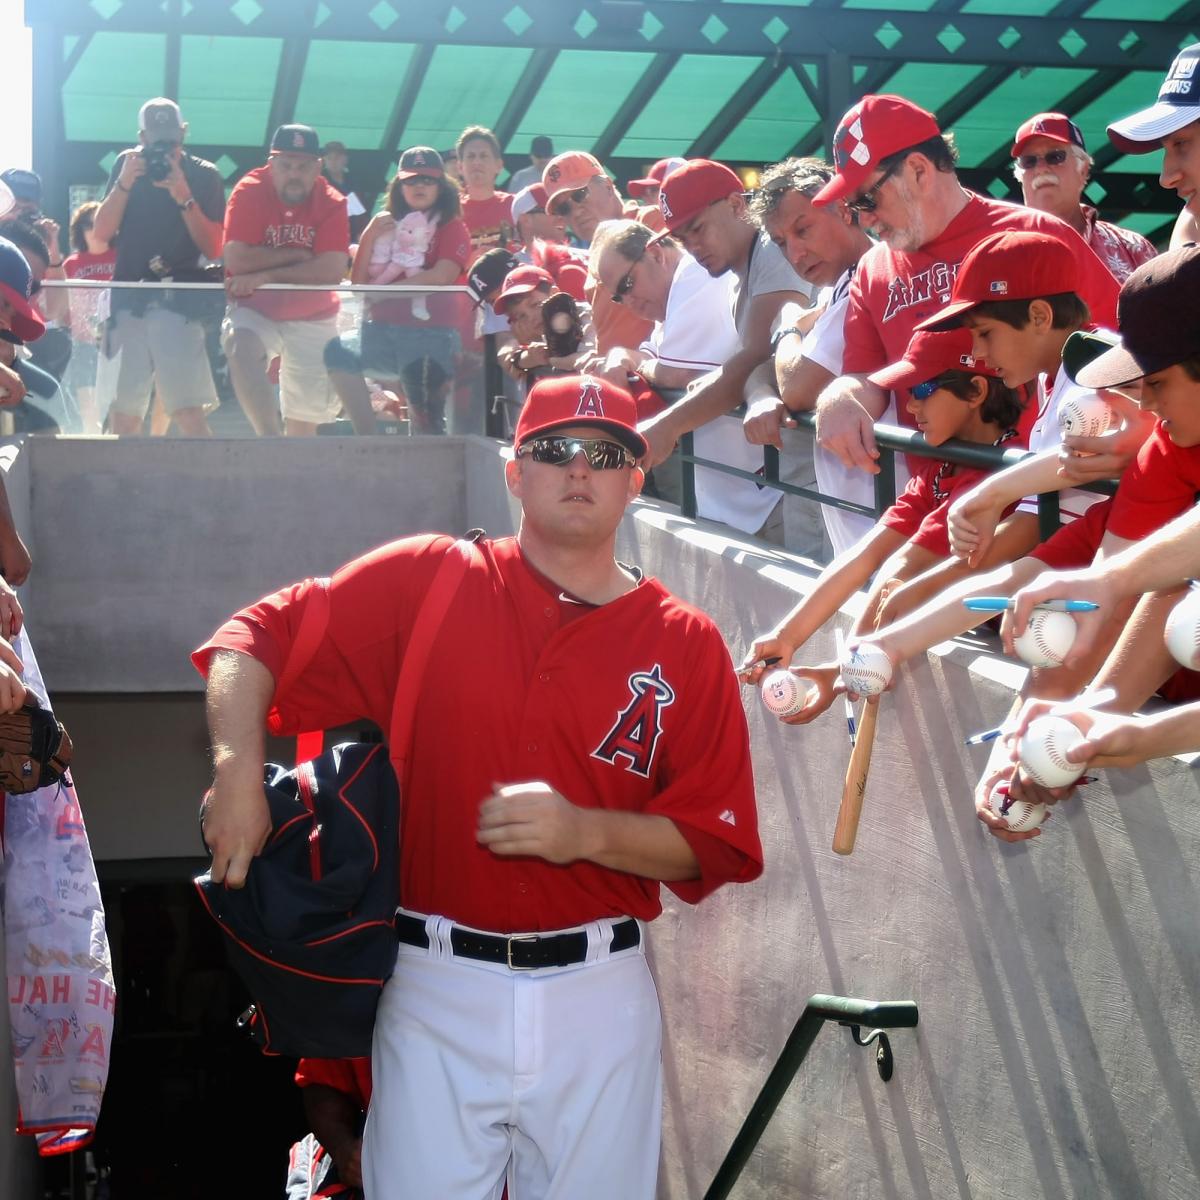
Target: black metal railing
column 891, row 440
column 845, row 1010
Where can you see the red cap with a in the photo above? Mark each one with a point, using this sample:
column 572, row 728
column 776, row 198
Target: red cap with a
column 1054, row 126
column 566, row 400
column 874, row 128
column 519, row 282
column 690, row 189
column 929, row 355
column 1012, row 265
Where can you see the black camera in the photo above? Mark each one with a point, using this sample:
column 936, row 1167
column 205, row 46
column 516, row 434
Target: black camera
column 158, row 160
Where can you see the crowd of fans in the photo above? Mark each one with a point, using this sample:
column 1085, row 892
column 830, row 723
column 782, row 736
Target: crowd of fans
column 816, row 291
column 873, row 288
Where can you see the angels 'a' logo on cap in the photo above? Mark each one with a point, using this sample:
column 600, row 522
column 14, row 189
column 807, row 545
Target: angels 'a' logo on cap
column 591, row 403
column 998, row 287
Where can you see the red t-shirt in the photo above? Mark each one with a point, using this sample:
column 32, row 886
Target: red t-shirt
column 83, row 265
column 85, row 302
column 256, row 216
column 350, row 1076
column 490, row 222
column 451, row 240
column 1159, row 485
column 894, row 290
column 631, row 706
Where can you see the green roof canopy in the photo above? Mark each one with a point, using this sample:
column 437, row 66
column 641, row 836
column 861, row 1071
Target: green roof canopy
column 632, row 82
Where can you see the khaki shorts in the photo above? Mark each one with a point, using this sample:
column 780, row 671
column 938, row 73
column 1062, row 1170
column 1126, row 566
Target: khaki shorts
column 305, row 393
column 158, row 348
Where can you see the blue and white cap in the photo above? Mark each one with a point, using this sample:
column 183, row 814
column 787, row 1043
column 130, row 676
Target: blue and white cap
column 1178, row 105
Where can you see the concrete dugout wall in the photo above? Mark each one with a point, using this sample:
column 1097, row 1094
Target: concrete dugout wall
column 1058, row 982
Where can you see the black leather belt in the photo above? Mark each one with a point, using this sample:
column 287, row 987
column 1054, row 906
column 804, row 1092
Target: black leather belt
column 520, row 951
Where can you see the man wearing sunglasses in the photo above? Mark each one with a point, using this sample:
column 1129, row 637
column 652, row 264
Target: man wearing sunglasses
column 581, row 195
column 896, row 170
column 1052, row 166
column 602, row 750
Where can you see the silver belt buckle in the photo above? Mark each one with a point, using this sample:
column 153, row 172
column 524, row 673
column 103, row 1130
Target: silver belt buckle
column 519, row 937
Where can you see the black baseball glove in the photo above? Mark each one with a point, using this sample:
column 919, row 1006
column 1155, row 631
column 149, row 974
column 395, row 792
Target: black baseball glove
column 35, row 750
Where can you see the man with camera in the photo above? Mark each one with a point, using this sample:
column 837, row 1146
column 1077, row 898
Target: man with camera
column 168, row 208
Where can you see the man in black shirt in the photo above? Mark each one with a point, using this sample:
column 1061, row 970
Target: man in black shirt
column 168, row 208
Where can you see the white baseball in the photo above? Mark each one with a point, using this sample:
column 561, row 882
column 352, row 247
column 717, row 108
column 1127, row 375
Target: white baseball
column 1042, row 751
column 1021, row 815
column 866, row 670
column 784, row 693
column 1047, row 639
column 1183, row 631
column 1085, row 415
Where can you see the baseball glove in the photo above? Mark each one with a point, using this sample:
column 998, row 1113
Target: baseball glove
column 35, row 750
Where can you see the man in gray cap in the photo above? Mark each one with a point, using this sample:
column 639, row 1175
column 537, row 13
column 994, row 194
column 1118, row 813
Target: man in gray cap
column 168, row 208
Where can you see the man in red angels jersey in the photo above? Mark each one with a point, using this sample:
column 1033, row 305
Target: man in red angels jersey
column 895, row 169
column 285, row 223
column 579, row 741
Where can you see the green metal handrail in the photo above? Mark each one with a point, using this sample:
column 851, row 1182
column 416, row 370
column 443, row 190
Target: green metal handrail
column 846, row 1010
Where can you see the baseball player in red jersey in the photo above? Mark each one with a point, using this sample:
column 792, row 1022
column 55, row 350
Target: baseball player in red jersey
column 579, row 740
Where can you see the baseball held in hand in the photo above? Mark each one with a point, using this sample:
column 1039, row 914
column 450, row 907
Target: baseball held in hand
column 1020, row 815
column 866, row 670
column 1047, row 639
column 784, row 693
column 1183, row 631
column 1043, row 748
column 1085, row 415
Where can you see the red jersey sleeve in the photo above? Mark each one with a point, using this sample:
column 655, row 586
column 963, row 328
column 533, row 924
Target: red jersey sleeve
column 333, row 229
column 1161, row 483
column 913, row 504
column 353, row 672
column 244, row 217
column 452, row 241
column 709, row 792
column 864, row 349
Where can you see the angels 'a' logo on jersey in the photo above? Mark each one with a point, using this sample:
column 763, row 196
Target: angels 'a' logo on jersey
column 591, row 402
column 635, row 733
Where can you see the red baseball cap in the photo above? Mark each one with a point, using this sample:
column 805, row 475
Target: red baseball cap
column 566, row 400
column 568, row 172
column 16, row 286
column 1011, row 265
column 654, row 177
column 690, row 189
column 929, row 355
column 874, row 128
column 519, row 282
column 1054, row 126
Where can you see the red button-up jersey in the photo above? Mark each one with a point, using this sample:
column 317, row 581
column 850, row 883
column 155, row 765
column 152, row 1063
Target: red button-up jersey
column 632, row 705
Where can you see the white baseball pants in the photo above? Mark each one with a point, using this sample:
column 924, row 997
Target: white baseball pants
column 549, row 1079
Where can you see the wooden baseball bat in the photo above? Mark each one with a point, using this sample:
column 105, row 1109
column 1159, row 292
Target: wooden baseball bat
column 855, row 786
